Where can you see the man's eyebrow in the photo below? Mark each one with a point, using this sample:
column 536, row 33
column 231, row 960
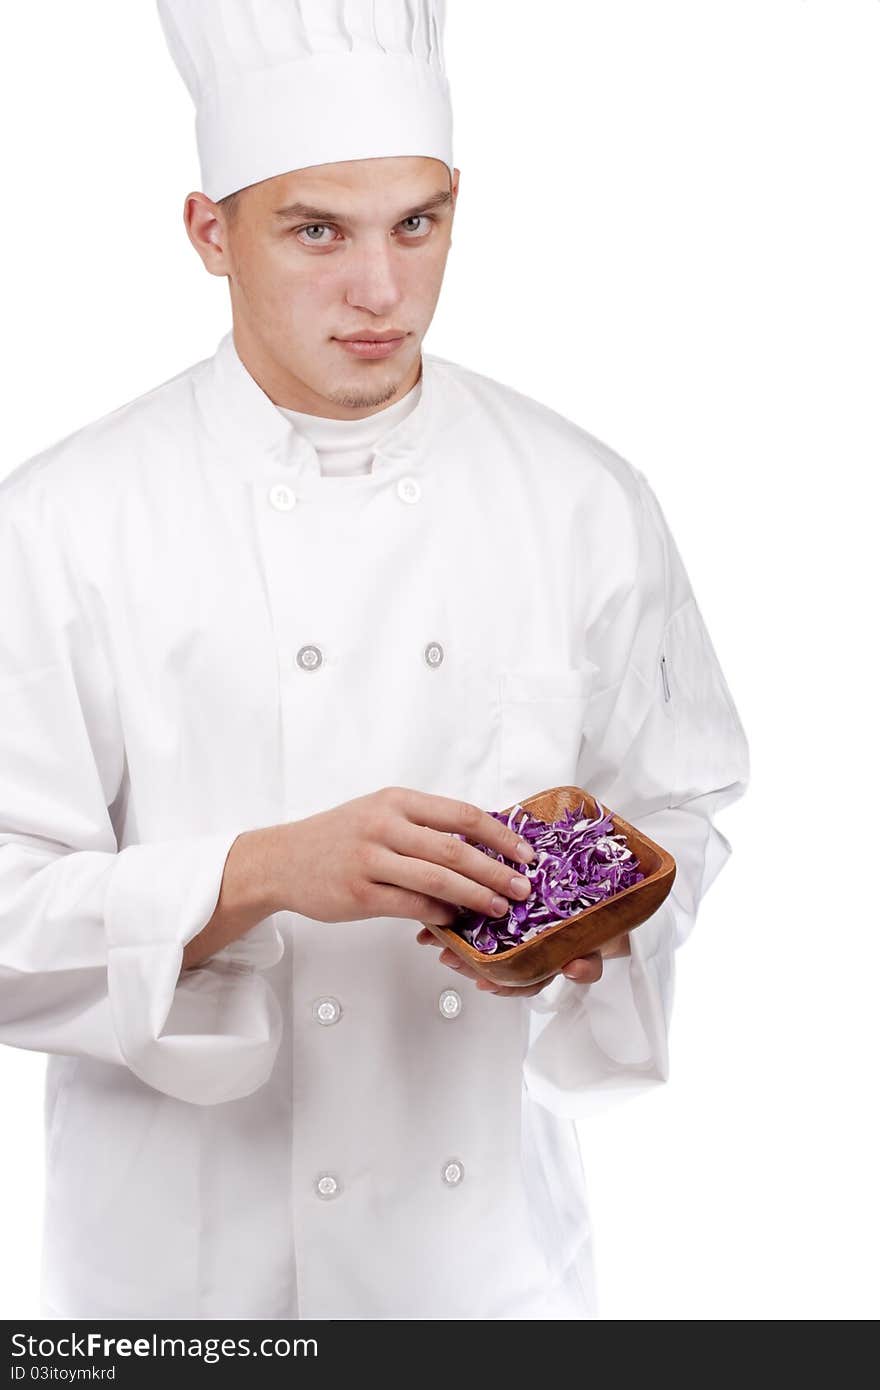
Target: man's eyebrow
column 322, row 215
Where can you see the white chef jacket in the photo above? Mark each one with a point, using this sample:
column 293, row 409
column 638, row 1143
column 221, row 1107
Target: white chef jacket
column 202, row 634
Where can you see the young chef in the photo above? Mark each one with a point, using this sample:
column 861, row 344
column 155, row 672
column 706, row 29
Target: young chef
column 282, row 627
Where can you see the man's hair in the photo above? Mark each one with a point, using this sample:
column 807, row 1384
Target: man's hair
column 229, row 204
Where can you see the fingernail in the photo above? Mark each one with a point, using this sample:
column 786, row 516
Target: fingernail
column 520, row 884
column 499, row 905
column 525, row 853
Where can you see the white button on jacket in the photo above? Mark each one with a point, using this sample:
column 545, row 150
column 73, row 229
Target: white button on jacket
column 185, row 655
column 450, row 1003
column 282, row 497
column 327, row 1010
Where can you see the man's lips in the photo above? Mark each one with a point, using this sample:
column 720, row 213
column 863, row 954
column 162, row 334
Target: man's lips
column 389, row 336
column 371, row 348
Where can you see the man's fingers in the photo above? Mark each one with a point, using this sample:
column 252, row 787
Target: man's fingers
column 518, row 991
column 396, row 900
column 449, row 867
column 449, row 958
column 585, row 969
column 459, row 817
column 435, row 881
column 456, row 963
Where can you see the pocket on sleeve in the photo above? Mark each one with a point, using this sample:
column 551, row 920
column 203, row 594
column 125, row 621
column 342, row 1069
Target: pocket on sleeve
column 710, row 746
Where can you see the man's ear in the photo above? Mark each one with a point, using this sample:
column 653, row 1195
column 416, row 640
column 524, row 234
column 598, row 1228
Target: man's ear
column 206, row 228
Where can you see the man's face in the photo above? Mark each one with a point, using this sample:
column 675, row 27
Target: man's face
column 322, row 253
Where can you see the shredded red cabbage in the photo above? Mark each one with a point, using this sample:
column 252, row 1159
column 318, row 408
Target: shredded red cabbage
column 579, row 862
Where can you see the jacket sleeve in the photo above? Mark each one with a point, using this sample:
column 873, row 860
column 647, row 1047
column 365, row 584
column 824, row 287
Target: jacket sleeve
column 91, row 935
column 663, row 747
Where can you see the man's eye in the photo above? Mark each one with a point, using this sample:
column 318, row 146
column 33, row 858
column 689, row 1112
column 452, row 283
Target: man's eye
column 314, row 227
column 325, row 227
column 420, row 217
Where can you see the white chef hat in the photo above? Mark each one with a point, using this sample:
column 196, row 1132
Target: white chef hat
column 280, row 85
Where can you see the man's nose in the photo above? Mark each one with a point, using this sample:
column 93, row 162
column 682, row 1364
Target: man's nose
column 373, row 279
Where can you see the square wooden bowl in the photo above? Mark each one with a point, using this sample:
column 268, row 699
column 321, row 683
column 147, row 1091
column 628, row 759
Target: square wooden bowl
column 548, row 951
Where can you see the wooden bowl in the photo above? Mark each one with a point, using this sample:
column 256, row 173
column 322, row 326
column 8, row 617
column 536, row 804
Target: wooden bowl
column 547, row 952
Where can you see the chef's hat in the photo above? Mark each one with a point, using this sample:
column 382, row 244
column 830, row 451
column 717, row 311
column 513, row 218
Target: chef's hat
column 283, row 84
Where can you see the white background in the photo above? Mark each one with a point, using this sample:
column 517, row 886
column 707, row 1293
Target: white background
column 668, row 230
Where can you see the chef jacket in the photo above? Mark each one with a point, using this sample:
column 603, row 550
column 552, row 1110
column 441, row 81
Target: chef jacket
column 203, row 634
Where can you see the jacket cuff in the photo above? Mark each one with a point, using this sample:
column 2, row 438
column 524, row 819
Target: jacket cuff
column 211, row 1034
column 592, row 1045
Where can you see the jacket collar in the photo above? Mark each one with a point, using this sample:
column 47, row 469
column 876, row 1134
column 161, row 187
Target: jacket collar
column 251, row 431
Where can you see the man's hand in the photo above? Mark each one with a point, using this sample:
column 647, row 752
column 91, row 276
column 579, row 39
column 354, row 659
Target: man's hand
column 396, row 853
column 392, row 853
column 584, row 970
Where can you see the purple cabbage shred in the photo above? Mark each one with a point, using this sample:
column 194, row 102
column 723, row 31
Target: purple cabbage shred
column 579, row 862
